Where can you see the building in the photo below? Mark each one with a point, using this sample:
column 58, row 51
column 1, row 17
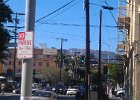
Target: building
column 129, row 27
column 42, row 58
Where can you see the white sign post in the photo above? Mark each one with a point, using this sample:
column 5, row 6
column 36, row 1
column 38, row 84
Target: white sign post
column 25, row 45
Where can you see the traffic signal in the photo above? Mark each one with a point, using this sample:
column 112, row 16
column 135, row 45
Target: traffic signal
column 83, row 59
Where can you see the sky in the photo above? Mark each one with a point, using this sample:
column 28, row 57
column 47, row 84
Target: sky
column 70, row 23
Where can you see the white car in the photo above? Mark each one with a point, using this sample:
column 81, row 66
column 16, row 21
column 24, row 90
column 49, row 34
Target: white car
column 120, row 92
column 72, row 90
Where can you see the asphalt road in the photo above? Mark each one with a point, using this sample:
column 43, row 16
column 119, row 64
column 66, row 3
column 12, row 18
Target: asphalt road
column 17, row 97
column 8, row 96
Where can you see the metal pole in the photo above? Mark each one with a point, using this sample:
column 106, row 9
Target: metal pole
column 61, row 63
column 14, row 69
column 87, row 63
column 99, row 68
column 61, row 59
column 109, row 55
column 108, row 52
column 27, row 64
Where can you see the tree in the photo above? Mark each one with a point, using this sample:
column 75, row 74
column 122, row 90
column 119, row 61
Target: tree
column 116, row 73
column 52, row 74
column 5, row 17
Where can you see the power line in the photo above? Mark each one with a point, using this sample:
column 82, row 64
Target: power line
column 6, row 1
column 65, row 10
column 111, row 13
column 77, row 25
column 55, row 11
column 114, row 18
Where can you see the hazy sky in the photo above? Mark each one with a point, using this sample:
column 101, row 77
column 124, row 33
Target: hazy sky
column 69, row 23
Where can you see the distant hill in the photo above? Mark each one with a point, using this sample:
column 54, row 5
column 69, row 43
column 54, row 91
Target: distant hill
column 105, row 55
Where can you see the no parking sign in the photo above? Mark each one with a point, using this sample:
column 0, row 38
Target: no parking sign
column 25, row 45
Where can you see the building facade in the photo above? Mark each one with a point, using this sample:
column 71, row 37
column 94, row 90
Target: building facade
column 42, row 58
column 129, row 24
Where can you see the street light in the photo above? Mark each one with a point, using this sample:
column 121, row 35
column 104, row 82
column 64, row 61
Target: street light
column 100, row 41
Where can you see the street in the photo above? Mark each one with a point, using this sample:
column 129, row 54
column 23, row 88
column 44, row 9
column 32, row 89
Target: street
column 9, row 96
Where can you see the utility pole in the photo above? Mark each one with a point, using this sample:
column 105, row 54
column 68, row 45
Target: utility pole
column 27, row 64
column 15, row 41
column 15, row 33
column 61, row 64
column 87, row 63
column 99, row 68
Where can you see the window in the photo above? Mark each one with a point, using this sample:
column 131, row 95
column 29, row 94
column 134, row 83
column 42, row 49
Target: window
column 10, row 62
column 19, row 63
column 39, row 63
column 47, row 64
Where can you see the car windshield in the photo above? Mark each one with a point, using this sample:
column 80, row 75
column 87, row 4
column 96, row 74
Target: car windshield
column 42, row 94
column 60, row 85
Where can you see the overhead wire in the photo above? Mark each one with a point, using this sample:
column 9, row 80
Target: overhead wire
column 116, row 23
column 65, row 24
column 119, row 12
column 6, row 1
column 104, row 20
column 109, row 39
column 53, row 34
column 124, row 34
column 65, row 10
column 55, row 11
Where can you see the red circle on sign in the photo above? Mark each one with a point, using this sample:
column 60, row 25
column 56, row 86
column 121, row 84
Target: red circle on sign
column 21, row 36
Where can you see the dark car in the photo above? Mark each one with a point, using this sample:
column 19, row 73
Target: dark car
column 60, row 88
column 80, row 95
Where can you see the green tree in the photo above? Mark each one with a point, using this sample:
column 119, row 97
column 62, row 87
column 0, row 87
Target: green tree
column 52, row 74
column 116, row 73
column 5, row 17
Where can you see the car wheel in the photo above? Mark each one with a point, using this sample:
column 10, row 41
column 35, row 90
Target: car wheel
column 121, row 95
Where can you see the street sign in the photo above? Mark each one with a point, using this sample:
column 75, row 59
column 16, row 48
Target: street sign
column 25, row 45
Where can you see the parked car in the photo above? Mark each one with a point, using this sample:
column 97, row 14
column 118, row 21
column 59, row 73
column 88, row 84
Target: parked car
column 80, row 95
column 33, row 90
column 60, row 88
column 120, row 92
column 72, row 90
column 44, row 95
column 16, row 91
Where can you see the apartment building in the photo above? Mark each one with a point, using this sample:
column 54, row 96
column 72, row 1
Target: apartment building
column 42, row 58
column 129, row 27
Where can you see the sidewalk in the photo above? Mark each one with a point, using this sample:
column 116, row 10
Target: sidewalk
column 115, row 98
column 8, row 94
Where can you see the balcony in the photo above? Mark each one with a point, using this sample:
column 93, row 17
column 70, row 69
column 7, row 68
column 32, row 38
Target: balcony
column 121, row 48
column 123, row 23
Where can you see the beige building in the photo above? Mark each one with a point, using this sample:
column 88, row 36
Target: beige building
column 129, row 27
column 42, row 58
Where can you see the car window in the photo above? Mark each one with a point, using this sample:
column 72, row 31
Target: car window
column 47, row 94
column 42, row 94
